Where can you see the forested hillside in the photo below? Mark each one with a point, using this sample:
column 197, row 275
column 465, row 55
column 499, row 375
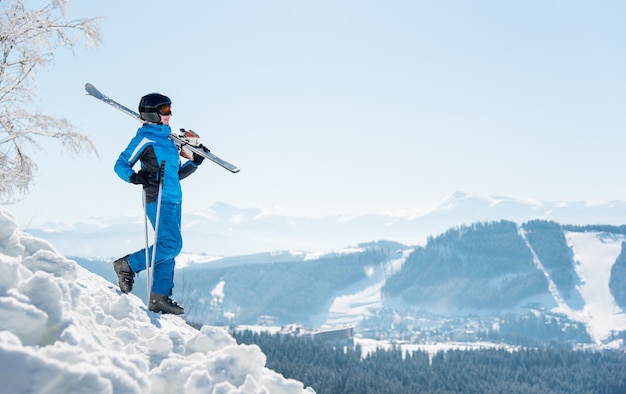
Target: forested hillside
column 483, row 266
column 548, row 242
column 287, row 291
column 335, row 370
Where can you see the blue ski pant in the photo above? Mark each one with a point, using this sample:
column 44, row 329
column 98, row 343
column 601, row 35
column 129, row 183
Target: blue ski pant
column 169, row 243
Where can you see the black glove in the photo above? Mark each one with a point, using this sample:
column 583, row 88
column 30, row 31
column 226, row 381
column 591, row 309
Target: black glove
column 197, row 159
column 145, row 178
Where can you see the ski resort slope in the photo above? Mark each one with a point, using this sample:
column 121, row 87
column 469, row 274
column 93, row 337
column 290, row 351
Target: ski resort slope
column 594, row 256
column 366, row 297
column 66, row 330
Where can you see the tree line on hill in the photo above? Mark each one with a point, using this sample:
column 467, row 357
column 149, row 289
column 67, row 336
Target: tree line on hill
column 331, row 369
column 482, row 266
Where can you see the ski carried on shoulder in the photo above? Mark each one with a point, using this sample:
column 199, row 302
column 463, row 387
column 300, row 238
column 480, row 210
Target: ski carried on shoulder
column 180, row 139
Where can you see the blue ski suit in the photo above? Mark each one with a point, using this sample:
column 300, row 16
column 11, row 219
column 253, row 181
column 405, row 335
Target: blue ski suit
column 151, row 146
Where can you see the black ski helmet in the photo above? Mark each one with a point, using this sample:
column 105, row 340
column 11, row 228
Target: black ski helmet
column 150, row 105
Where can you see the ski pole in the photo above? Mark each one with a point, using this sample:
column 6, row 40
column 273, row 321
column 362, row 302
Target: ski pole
column 156, row 228
column 145, row 226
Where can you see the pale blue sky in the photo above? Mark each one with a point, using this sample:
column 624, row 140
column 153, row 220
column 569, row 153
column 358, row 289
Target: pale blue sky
column 348, row 107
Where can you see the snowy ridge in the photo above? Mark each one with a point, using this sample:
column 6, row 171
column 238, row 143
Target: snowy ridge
column 66, row 330
column 224, row 230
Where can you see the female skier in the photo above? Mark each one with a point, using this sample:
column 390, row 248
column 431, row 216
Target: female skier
column 151, row 146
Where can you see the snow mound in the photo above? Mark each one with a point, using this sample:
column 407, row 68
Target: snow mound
column 64, row 329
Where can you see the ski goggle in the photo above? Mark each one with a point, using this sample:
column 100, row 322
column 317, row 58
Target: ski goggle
column 165, row 110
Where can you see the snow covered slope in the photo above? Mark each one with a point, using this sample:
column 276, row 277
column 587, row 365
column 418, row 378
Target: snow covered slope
column 365, row 297
column 594, row 256
column 66, row 330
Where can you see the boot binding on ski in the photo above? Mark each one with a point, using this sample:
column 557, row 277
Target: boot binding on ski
column 125, row 275
column 164, row 304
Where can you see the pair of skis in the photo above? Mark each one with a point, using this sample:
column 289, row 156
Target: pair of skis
column 179, row 139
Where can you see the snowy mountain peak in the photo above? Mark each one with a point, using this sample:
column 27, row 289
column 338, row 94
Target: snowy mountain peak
column 64, row 329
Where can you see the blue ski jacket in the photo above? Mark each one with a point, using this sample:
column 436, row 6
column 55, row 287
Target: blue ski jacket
column 151, row 145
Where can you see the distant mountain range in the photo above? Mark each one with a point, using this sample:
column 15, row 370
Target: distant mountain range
column 224, row 230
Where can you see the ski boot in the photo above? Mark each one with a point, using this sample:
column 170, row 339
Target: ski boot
column 125, row 275
column 164, row 304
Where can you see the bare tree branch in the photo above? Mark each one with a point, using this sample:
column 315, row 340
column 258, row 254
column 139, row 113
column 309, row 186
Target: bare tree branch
column 28, row 39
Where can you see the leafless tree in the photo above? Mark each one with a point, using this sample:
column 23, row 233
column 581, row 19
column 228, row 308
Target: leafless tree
column 28, row 39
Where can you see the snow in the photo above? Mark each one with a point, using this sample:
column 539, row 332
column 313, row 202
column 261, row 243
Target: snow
column 309, row 256
column 217, row 294
column 350, row 309
column 594, row 256
column 369, row 346
column 64, row 329
column 186, row 259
